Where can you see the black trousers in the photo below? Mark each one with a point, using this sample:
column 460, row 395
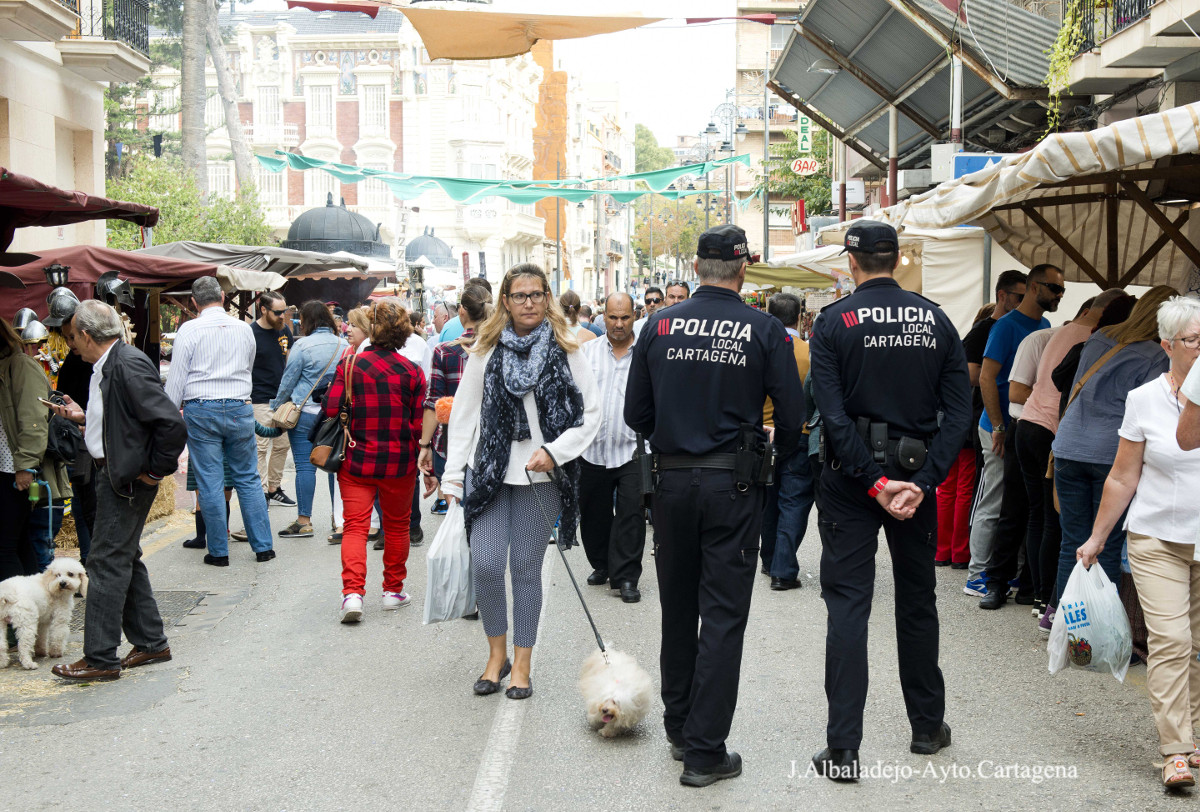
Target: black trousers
column 707, row 536
column 1013, row 524
column 849, row 523
column 119, row 595
column 17, row 555
column 83, row 508
column 614, row 541
column 1044, row 535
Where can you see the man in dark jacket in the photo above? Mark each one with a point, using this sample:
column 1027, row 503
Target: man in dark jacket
column 126, row 402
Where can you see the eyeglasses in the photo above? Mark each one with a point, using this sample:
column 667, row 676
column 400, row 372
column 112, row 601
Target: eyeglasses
column 1192, row 342
column 1057, row 290
column 653, row 300
column 537, row 297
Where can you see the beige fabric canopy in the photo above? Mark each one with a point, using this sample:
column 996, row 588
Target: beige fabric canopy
column 1111, row 206
column 486, row 34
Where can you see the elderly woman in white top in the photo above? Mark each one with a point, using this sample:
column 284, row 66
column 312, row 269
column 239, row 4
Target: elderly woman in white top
column 1159, row 483
column 527, row 403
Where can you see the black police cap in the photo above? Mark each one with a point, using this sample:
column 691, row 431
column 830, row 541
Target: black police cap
column 871, row 237
column 723, row 242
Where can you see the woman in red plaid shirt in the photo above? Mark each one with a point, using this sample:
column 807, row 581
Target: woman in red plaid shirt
column 386, row 394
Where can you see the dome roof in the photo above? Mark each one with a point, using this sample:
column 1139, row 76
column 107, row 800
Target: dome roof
column 331, row 228
column 432, row 248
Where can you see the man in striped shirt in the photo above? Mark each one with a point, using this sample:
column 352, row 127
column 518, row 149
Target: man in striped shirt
column 614, row 543
column 210, row 379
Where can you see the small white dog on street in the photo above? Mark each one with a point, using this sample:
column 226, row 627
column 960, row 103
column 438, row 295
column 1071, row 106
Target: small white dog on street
column 38, row 607
column 618, row 692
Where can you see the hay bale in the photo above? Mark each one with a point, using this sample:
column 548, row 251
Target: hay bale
column 67, row 538
column 164, row 500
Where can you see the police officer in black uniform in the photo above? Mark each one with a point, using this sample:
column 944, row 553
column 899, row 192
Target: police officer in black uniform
column 890, row 379
column 700, row 373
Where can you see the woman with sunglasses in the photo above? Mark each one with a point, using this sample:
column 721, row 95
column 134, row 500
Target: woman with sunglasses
column 1087, row 439
column 526, row 404
column 385, row 398
column 1157, row 482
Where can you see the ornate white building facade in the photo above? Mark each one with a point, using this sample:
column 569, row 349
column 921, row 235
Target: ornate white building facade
column 346, row 88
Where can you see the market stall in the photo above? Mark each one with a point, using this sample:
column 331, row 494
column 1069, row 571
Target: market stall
column 1111, row 206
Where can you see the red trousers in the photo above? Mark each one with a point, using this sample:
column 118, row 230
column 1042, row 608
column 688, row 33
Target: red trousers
column 954, row 498
column 395, row 503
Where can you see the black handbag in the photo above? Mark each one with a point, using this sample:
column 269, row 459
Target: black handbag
column 332, row 436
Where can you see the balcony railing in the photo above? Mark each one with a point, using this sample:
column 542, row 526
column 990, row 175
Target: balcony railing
column 1100, row 19
column 286, row 135
column 612, row 159
column 126, row 21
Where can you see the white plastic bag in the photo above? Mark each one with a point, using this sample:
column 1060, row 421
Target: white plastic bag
column 450, row 593
column 1091, row 630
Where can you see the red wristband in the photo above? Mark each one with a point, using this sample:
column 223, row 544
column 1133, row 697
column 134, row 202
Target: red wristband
column 877, row 487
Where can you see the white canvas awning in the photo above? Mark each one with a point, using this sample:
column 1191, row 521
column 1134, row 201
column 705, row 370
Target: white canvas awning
column 1111, row 206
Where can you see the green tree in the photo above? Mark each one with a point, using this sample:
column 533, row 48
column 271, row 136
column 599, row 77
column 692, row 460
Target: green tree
column 815, row 190
column 676, row 225
column 183, row 214
column 648, row 155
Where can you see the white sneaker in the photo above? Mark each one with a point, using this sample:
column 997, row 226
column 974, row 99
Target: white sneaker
column 351, row 608
column 394, row 600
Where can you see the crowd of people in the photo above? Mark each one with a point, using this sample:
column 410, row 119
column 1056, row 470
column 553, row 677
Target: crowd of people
column 535, row 412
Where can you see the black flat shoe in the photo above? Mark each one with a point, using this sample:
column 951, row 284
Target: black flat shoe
column 784, row 584
column 514, row 692
column 630, row 592
column 195, row 544
column 837, row 765
column 598, row 578
column 483, row 687
column 216, row 560
column 677, row 749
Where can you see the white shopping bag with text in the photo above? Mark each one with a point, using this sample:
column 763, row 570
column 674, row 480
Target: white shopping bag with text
column 1091, row 629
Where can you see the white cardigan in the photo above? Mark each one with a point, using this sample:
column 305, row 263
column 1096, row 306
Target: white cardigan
column 463, row 434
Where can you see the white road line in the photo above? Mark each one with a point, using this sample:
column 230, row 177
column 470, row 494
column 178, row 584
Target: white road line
column 491, row 781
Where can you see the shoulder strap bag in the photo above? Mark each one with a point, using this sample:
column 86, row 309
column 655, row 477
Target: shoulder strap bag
column 332, row 437
column 1092, row 370
column 287, row 415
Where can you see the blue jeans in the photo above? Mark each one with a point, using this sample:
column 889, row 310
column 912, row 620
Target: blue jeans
column 306, row 472
column 785, row 515
column 1080, row 486
column 219, row 431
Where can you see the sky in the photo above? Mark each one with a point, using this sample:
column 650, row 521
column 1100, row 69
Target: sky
column 671, row 75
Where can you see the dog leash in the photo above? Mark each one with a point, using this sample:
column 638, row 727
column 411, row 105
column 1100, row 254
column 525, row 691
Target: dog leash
column 554, row 475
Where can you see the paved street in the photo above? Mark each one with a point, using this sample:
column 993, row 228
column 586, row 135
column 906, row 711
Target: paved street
column 271, row 704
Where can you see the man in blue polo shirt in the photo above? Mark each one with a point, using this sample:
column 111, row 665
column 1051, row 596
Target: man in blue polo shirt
column 1044, row 289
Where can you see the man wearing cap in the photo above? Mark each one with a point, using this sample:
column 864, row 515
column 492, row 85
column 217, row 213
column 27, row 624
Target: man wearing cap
column 700, row 373
column 890, row 379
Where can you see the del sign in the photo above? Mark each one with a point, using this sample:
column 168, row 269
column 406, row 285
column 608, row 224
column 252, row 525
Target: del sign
column 806, row 166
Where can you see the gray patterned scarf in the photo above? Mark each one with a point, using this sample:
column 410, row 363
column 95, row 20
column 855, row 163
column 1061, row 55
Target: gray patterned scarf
column 519, row 365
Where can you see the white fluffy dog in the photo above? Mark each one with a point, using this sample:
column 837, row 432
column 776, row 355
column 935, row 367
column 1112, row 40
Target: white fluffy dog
column 617, row 692
column 38, row 607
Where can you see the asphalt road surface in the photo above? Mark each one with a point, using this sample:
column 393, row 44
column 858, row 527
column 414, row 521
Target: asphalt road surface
column 271, row 704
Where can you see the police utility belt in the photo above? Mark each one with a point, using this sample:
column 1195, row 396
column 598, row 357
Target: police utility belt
column 752, row 461
column 908, row 453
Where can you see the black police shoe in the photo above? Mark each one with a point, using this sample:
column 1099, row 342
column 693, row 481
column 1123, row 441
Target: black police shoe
column 598, row 578
column 994, row 599
column 731, row 767
column 926, row 744
column 837, row 765
column 629, row 592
